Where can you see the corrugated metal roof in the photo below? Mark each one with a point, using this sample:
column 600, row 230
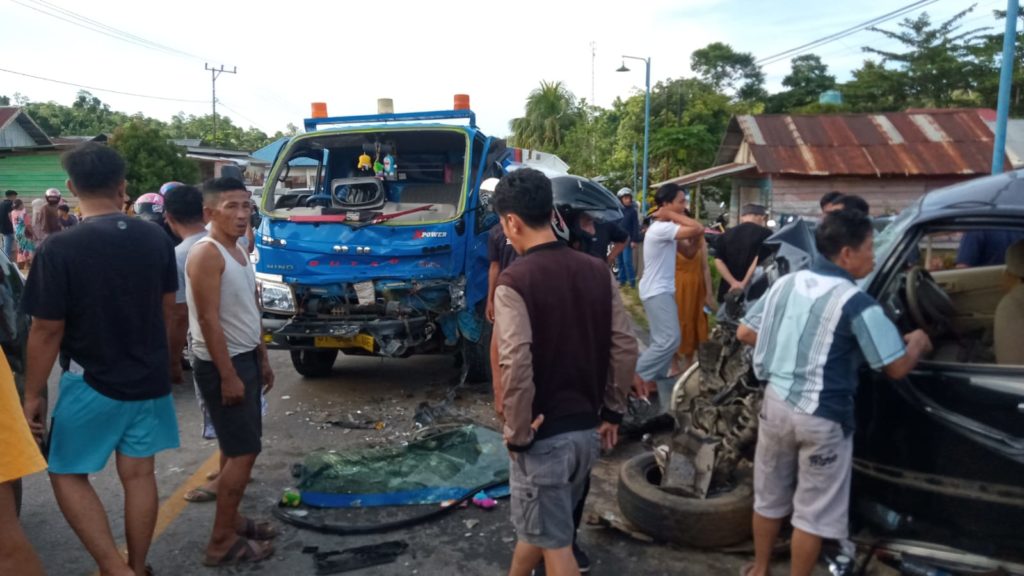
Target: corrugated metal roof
column 1014, row 141
column 707, row 174
column 6, row 113
column 10, row 114
column 914, row 143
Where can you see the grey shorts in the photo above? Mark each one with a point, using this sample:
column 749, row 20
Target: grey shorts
column 546, row 482
column 239, row 427
column 802, row 467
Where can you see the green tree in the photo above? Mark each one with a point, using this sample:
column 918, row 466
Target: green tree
column 228, row 134
column 590, row 143
column 5, row 101
column 936, row 69
column 87, row 116
column 729, row 71
column 151, row 159
column 875, row 88
column 807, row 79
column 551, row 112
column 989, row 54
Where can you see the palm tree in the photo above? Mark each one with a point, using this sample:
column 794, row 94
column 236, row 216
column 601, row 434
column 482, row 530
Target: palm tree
column 550, row 113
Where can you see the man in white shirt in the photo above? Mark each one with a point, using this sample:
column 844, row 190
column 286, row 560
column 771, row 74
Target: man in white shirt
column 658, row 285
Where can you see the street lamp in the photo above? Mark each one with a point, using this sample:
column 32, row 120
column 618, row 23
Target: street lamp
column 647, row 123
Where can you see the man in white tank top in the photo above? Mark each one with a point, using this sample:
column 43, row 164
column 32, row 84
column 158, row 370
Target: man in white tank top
column 231, row 366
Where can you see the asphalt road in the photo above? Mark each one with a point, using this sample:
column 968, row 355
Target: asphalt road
column 359, row 387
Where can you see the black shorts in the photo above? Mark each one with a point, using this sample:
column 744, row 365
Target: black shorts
column 239, row 427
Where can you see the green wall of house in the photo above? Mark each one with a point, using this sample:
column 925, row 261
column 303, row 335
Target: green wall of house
column 31, row 174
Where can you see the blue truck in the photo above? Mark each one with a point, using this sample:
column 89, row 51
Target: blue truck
column 385, row 253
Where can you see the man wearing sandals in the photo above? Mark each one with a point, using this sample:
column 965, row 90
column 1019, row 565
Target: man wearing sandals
column 811, row 332
column 230, row 366
column 97, row 293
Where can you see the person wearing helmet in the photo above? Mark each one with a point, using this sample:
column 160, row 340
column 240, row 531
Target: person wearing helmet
column 45, row 217
column 168, row 186
column 631, row 224
column 150, row 207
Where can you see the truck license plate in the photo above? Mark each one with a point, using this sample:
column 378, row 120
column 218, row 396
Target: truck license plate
column 364, row 341
column 365, row 293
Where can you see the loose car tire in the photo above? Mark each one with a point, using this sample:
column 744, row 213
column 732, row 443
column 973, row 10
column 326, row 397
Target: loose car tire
column 721, row 520
column 314, row 363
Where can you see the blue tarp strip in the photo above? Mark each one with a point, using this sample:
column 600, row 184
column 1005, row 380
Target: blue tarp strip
column 404, row 498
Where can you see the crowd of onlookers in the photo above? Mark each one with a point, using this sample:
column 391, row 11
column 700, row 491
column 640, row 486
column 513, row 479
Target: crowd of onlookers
column 105, row 297
column 23, row 229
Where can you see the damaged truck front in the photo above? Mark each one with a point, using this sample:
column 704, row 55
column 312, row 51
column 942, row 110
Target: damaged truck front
column 379, row 248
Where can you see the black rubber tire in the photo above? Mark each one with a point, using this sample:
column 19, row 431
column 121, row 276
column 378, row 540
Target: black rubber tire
column 314, row 363
column 722, row 520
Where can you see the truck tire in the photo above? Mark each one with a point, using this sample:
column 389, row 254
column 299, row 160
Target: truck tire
column 314, row 363
column 720, row 520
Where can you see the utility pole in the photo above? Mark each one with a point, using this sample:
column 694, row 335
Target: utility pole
column 593, row 61
column 214, row 73
column 1005, row 79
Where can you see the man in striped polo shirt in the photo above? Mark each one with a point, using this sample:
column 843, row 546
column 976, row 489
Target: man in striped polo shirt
column 812, row 331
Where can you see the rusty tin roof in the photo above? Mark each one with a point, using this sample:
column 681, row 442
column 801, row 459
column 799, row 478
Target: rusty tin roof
column 912, row 143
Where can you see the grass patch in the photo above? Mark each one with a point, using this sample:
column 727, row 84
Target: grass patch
column 631, row 300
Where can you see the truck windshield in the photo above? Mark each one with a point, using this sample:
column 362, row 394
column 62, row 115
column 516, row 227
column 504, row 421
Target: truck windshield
column 418, row 174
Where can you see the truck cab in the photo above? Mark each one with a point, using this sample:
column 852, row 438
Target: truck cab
column 386, row 253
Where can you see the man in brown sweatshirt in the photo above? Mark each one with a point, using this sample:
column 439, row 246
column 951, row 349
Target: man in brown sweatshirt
column 567, row 357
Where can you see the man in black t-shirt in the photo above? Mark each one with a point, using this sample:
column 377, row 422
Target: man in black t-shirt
column 736, row 250
column 97, row 294
column 6, row 226
column 593, row 237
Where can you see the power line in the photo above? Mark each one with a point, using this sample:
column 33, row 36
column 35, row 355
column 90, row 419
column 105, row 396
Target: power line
column 104, row 89
column 252, row 123
column 792, row 52
column 890, row 43
column 55, row 11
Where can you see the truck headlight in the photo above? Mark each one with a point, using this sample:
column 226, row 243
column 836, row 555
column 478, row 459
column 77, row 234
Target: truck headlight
column 276, row 296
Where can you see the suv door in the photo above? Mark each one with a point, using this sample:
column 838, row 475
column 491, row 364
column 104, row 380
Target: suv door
column 943, row 449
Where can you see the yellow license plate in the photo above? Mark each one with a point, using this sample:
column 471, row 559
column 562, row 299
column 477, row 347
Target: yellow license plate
column 364, row 341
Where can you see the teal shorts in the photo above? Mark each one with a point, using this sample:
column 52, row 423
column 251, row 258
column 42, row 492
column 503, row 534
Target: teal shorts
column 87, row 427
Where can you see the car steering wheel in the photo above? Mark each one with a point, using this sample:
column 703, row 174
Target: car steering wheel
column 928, row 304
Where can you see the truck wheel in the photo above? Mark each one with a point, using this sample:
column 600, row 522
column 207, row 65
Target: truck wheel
column 314, row 363
column 477, row 356
column 720, row 520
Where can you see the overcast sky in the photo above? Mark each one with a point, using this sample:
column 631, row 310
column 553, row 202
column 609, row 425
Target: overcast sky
column 418, row 53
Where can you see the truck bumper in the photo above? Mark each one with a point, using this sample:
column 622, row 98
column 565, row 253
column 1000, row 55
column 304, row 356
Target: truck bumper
column 391, row 337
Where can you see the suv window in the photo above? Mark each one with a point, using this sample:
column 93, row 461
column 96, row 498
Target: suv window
column 951, row 284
